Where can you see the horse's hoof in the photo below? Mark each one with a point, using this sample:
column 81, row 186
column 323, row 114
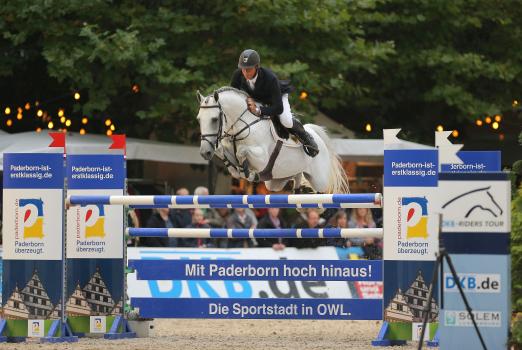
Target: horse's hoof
column 253, row 177
column 304, row 190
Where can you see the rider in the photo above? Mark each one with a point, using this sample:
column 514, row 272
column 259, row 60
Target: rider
column 262, row 84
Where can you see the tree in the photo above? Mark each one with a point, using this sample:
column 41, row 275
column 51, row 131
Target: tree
column 168, row 49
column 409, row 63
column 454, row 62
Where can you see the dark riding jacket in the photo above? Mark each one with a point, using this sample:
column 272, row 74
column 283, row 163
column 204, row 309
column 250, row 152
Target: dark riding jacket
column 266, row 90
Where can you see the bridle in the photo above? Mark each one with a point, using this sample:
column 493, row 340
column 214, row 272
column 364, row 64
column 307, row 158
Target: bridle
column 217, row 135
column 222, row 134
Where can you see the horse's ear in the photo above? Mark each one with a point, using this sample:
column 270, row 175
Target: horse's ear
column 216, row 96
column 199, row 96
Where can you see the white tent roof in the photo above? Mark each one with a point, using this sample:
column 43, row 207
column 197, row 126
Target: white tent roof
column 34, row 142
column 370, row 150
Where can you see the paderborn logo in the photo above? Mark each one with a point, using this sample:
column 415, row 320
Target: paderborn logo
column 94, row 218
column 31, row 210
column 415, row 210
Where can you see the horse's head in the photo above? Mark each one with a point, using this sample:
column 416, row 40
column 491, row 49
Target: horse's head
column 217, row 112
column 210, row 124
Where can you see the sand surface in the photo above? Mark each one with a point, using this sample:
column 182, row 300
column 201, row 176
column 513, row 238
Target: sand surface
column 238, row 334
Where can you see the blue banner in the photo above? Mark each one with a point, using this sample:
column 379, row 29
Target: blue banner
column 265, row 270
column 474, row 162
column 101, row 171
column 329, row 309
column 30, row 170
column 485, row 280
column 32, row 218
column 95, row 264
column 410, row 168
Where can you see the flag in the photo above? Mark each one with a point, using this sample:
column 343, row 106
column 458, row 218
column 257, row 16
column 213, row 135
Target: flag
column 58, row 139
column 118, row 142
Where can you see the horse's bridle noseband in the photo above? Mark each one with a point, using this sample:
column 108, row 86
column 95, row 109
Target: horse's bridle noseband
column 204, row 137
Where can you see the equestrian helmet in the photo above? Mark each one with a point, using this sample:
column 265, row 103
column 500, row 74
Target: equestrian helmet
column 248, row 59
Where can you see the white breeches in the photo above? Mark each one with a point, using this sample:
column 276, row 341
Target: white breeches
column 286, row 116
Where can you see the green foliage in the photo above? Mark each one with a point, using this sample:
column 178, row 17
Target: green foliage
column 516, row 251
column 172, row 48
column 389, row 61
column 516, row 333
column 452, row 59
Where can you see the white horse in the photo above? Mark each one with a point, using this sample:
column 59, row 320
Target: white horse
column 251, row 149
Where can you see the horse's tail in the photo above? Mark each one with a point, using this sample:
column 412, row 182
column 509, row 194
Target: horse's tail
column 337, row 181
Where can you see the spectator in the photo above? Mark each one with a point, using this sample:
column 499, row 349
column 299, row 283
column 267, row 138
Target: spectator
column 160, row 218
column 182, row 217
column 312, row 221
column 272, row 220
column 200, row 191
column 132, row 221
column 339, row 220
column 360, row 218
column 240, row 219
column 198, row 221
column 371, row 248
column 217, row 218
column 249, row 212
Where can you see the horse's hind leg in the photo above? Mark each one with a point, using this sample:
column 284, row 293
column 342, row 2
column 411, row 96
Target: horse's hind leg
column 318, row 173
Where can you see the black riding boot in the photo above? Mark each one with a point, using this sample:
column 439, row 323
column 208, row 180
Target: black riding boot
column 309, row 145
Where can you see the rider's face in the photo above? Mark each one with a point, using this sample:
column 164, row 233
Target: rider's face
column 249, row 73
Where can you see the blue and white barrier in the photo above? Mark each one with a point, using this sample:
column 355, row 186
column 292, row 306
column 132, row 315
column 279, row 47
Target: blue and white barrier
column 257, row 233
column 363, row 200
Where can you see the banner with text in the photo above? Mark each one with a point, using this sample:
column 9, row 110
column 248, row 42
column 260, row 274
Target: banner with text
column 95, row 239
column 411, row 227
column 32, row 219
column 178, row 288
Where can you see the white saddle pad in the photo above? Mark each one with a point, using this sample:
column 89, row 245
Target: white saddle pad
column 290, row 142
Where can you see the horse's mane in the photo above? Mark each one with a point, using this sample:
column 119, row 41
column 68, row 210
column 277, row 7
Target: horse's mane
column 230, row 88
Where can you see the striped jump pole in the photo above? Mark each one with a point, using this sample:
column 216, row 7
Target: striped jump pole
column 257, row 233
column 359, row 200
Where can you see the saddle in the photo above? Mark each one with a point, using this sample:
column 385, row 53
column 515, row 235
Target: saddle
column 280, row 133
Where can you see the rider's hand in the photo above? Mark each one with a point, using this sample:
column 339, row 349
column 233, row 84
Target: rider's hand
column 252, row 106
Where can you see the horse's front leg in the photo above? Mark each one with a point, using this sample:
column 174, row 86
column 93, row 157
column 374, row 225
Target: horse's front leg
column 253, row 159
column 234, row 171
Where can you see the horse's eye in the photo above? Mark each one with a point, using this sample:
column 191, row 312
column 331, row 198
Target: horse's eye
column 214, row 120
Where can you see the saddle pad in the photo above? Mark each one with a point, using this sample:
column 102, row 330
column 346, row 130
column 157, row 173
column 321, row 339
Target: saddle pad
column 289, row 142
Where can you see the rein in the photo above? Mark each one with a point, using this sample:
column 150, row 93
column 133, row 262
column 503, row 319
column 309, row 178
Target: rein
column 220, row 134
column 223, row 134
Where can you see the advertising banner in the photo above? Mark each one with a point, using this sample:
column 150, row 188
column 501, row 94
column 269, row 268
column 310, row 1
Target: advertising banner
column 32, row 238
column 486, row 282
column 411, row 239
column 237, row 296
column 476, row 231
column 236, row 288
column 94, row 242
column 474, row 162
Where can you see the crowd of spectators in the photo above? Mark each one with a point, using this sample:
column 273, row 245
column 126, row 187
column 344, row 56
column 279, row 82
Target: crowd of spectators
column 368, row 248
